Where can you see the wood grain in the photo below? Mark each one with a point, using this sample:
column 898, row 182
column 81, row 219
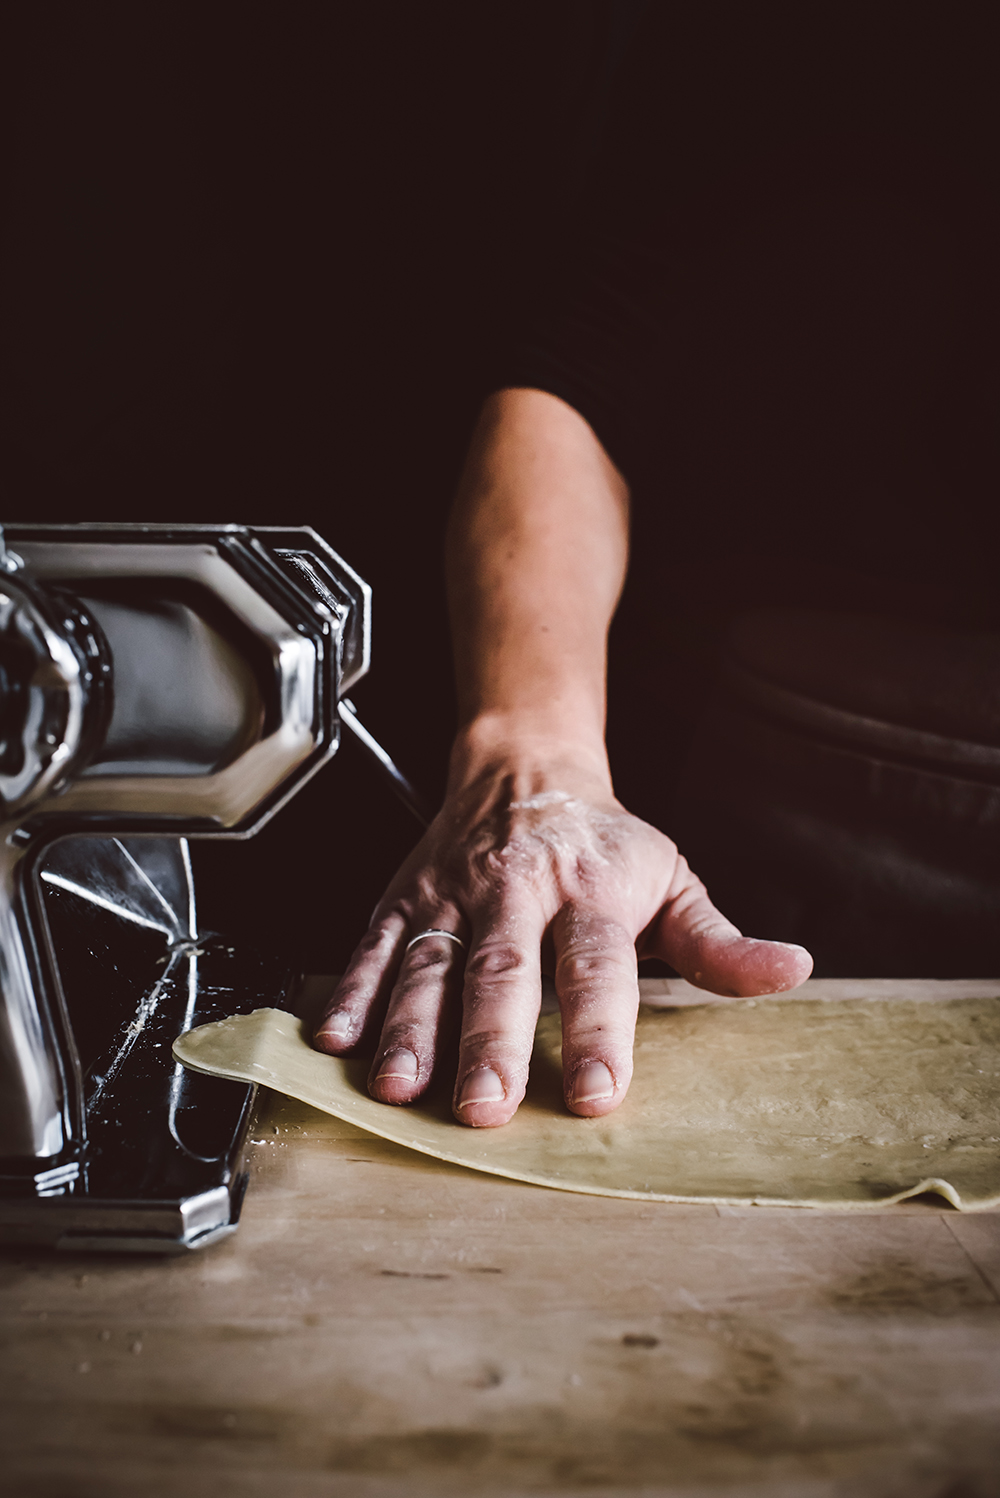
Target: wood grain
column 385, row 1324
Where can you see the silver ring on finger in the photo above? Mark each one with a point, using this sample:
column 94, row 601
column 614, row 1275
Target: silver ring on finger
column 434, row 931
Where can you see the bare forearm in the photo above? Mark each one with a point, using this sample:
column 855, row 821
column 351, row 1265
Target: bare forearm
column 536, row 557
column 530, row 848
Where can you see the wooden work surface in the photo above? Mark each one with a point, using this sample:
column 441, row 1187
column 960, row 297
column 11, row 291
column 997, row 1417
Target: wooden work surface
column 384, row 1324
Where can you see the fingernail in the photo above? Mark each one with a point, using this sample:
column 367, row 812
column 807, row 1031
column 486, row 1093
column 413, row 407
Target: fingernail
column 338, row 1025
column 592, row 1083
column 481, row 1086
column 401, row 1064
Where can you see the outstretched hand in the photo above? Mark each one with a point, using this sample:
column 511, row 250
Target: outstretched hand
column 561, row 877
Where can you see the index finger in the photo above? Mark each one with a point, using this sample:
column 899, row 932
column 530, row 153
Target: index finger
column 365, row 985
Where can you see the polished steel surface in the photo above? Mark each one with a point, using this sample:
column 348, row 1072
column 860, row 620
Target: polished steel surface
column 32, row 1091
column 387, row 767
column 45, row 681
column 155, row 682
column 161, row 1171
column 43, row 698
column 228, row 794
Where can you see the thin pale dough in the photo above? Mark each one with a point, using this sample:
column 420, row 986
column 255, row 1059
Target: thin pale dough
column 848, row 1104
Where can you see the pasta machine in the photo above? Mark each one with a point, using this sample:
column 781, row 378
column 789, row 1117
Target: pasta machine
column 158, row 683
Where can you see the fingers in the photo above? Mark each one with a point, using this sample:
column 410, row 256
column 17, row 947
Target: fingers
column 501, row 1000
column 711, row 953
column 598, row 988
column 365, row 987
column 428, row 981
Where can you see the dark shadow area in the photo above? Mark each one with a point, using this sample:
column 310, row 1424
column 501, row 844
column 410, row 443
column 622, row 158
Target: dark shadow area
column 260, row 261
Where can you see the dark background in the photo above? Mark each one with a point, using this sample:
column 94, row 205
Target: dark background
column 261, row 260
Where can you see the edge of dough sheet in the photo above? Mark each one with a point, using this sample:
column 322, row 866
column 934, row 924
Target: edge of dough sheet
column 277, row 1035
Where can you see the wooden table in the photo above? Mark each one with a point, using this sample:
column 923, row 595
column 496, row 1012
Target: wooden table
column 383, row 1324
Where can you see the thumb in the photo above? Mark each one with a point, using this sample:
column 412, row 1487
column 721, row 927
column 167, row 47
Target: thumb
column 707, row 950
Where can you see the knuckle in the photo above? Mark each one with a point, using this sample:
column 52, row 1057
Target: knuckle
column 515, row 855
column 482, row 1042
column 426, row 891
column 499, row 863
column 588, row 871
column 355, row 986
column 497, row 959
column 505, row 1052
column 349, row 1000
column 428, row 956
column 376, row 941
column 595, row 949
column 401, row 1033
column 579, row 969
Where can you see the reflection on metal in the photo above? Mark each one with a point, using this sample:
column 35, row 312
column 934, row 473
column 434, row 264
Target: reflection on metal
column 275, row 693
column 9, row 560
column 132, row 1029
column 159, row 1139
column 180, row 1073
column 410, row 797
column 156, row 683
column 33, row 1085
column 200, row 710
column 79, row 889
column 107, row 872
column 53, row 685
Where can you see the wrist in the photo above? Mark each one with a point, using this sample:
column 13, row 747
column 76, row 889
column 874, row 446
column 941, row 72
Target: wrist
column 531, row 753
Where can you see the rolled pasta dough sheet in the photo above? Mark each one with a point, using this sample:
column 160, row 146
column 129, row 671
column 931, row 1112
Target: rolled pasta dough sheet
column 845, row 1104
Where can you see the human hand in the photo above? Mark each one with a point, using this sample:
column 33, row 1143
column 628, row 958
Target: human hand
column 530, row 867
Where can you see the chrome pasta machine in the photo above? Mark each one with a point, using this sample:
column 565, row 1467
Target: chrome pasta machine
column 157, row 683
